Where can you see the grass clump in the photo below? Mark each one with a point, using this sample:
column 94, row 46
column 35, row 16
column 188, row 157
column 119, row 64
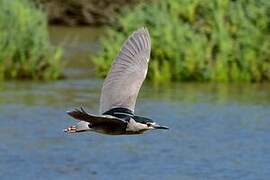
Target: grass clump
column 198, row 40
column 25, row 51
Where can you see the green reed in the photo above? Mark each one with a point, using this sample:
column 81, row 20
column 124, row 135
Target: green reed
column 25, row 51
column 198, row 40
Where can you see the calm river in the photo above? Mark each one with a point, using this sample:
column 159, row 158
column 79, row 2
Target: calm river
column 216, row 131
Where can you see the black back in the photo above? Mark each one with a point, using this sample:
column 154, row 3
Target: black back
column 126, row 114
column 142, row 120
column 122, row 113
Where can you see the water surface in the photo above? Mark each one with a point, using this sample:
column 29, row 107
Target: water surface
column 217, row 132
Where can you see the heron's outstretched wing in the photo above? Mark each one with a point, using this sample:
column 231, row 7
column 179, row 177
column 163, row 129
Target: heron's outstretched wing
column 95, row 120
column 128, row 71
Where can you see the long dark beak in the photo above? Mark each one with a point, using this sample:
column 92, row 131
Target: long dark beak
column 156, row 126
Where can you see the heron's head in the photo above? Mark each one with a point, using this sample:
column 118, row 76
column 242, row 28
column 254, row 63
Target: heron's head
column 154, row 125
column 148, row 123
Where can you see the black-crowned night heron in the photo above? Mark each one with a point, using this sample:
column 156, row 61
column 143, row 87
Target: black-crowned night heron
column 120, row 91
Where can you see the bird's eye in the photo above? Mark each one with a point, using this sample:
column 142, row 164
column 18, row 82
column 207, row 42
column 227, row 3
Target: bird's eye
column 148, row 124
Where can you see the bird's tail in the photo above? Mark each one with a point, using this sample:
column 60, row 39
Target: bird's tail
column 82, row 126
column 79, row 114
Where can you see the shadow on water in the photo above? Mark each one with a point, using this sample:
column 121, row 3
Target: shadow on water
column 216, row 132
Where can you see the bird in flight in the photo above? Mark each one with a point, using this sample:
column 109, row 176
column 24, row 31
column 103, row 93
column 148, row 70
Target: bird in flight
column 119, row 93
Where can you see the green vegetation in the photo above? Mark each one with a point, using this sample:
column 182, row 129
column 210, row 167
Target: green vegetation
column 198, row 40
column 25, row 51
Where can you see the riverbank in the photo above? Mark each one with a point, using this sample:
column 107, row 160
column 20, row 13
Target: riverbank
column 79, row 44
column 25, row 49
column 84, row 12
column 213, row 40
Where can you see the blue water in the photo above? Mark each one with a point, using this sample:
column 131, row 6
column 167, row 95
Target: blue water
column 216, row 132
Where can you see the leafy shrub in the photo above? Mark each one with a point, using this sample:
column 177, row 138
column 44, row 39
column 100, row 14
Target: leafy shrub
column 25, row 51
column 198, row 40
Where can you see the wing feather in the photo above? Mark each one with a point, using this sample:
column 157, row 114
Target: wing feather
column 93, row 119
column 128, row 71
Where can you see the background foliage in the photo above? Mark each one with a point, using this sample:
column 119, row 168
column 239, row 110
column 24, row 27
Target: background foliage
column 83, row 12
column 198, row 40
column 25, row 51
